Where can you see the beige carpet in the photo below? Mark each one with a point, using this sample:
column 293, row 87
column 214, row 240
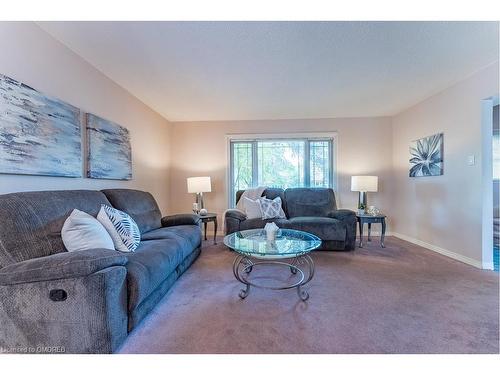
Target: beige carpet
column 401, row 299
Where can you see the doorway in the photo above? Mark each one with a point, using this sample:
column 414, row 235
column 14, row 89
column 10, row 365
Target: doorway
column 496, row 191
column 490, row 171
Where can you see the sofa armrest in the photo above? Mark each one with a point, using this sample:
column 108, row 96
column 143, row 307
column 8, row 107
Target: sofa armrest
column 180, row 219
column 233, row 213
column 348, row 218
column 61, row 266
column 342, row 214
column 233, row 219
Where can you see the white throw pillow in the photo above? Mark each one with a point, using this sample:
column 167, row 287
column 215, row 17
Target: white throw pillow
column 271, row 209
column 82, row 231
column 252, row 208
column 121, row 227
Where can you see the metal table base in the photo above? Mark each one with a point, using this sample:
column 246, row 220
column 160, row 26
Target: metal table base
column 301, row 265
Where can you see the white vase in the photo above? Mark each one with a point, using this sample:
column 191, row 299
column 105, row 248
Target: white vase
column 271, row 229
column 271, row 235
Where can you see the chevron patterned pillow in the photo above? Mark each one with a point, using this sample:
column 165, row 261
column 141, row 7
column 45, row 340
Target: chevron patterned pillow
column 271, row 209
column 121, row 227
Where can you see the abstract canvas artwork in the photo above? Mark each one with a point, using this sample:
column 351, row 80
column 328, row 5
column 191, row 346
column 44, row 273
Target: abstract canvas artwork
column 39, row 134
column 426, row 156
column 109, row 150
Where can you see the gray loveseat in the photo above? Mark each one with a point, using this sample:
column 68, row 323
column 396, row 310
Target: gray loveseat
column 86, row 301
column 312, row 210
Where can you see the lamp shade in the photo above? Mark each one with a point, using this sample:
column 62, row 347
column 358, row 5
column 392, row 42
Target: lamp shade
column 364, row 183
column 199, row 185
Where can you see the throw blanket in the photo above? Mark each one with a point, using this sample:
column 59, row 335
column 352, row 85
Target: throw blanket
column 253, row 193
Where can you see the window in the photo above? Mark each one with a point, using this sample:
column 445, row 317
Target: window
column 280, row 163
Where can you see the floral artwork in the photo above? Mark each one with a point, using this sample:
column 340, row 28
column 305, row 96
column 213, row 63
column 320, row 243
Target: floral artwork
column 426, row 156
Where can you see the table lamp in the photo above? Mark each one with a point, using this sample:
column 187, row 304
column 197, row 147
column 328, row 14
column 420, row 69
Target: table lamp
column 199, row 185
column 364, row 184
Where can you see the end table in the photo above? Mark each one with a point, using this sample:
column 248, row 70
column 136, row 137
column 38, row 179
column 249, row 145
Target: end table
column 370, row 219
column 205, row 219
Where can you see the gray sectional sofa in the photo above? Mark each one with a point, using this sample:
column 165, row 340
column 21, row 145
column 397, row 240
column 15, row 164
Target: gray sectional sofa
column 86, row 301
column 312, row 210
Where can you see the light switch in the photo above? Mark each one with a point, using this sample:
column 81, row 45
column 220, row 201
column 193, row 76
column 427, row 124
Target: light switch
column 471, row 160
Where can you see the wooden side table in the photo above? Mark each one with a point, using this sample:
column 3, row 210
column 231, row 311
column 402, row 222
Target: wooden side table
column 370, row 219
column 205, row 219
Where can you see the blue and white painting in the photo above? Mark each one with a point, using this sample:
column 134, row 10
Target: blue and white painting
column 39, row 134
column 426, row 156
column 109, row 150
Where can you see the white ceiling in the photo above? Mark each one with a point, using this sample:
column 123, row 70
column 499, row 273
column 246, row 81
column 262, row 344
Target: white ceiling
column 191, row 71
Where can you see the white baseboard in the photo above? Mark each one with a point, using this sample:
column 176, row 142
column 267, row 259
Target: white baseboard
column 488, row 266
column 440, row 250
column 374, row 233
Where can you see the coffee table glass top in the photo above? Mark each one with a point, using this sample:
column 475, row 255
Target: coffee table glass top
column 288, row 243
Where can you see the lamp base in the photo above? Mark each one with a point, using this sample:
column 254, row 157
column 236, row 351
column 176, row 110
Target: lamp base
column 362, row 200
column 198, row 205
column 199, row 200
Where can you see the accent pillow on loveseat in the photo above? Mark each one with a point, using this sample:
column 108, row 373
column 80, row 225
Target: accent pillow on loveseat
column 271, row 208
column 252, row 208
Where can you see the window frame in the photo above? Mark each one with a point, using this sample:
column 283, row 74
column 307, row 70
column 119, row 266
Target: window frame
column 242, row 138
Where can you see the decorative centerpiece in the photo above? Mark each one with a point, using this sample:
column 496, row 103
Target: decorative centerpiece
column 271, row 230
column 373, row 211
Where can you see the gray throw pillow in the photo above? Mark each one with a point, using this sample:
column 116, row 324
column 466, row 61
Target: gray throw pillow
column 121, row 227
column 82, row 231
column 252, row 208
column 271, row 209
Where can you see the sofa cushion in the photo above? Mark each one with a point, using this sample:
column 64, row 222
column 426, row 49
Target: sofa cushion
column 138, row 204
column 151, row 263
column 191, row 233
column 259, row 223
column 309, row 202
column 31, row 222
column 327, row 229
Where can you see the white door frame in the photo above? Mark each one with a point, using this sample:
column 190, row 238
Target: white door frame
column 487, row 180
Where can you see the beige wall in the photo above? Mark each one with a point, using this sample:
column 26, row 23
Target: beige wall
column 200, row 148
column 32, row 56
column 444, row 211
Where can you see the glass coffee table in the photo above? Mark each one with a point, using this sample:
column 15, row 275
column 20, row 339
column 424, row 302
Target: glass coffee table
column 290, row 249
